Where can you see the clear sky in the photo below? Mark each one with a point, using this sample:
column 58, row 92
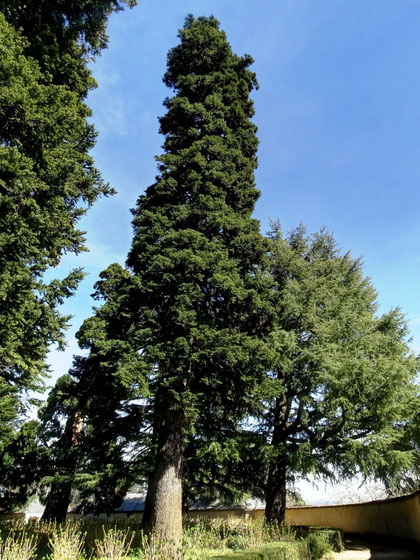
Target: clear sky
column 338, row 116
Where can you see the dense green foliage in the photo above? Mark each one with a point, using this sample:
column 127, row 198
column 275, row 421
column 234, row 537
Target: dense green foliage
column 333, row 537
column 341, row 392
column 47, row 180
column 44, row 171
column 21, row 466
column 319, row 547
column 408, row 480
column 341, row 397
column 93, row 418
column 62, row 35
column 196, row 250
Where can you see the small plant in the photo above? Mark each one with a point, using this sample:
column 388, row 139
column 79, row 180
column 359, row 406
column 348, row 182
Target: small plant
column 200, row 535
column 20, row 547
column 155, row 547
column 66, row 542
column 115, row 544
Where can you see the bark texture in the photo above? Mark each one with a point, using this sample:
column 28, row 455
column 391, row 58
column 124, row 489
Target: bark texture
column 275, row 495
column 275, row 498
column 58, row 502
column 163, row 507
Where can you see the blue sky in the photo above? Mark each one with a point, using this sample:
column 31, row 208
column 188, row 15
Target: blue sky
column 338, row 115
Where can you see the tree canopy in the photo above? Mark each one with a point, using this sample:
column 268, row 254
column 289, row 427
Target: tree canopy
column 340, row 394
column 47, row 176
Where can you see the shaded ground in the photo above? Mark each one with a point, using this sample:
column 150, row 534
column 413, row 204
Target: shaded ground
column 375, row 550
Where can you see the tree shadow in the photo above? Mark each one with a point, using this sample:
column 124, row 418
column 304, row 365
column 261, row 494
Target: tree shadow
column 385, row 548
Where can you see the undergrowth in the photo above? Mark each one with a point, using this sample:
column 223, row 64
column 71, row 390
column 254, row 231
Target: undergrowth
column 123, row 540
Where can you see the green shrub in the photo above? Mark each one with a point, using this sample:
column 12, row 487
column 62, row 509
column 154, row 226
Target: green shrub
column 318, row 545
column 335, row 538
column 273, row 551
column 115, row 544
column 331, row 535
column 66, row 542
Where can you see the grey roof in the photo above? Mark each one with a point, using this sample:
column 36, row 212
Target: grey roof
column 215, row 504
column 134, row 502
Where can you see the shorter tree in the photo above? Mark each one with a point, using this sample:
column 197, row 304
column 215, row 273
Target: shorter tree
column 93, row 414
column 21, row 467
column 339, row 396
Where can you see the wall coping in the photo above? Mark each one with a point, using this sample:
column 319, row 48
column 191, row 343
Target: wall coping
column 355, row 504
column 352, row 504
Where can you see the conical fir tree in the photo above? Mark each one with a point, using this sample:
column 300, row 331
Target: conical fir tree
column 198, row 256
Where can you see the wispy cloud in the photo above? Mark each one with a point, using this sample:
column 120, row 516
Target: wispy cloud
column 112, row 118
column 415, row 321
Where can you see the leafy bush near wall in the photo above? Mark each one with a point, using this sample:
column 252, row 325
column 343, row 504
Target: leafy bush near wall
column 331, row 535
column 274, row 551
column 319, row 547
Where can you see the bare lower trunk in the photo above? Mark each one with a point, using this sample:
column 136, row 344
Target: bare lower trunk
column 275, row 497
column 58, row 499
column 58, row 502
column 163, row 507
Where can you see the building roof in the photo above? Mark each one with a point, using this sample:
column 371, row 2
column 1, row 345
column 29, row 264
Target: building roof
column 134, row 502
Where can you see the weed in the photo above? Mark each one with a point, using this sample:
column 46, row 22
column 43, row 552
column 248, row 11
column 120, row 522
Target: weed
column 66, row 542
column 18, row 547
column 115, row 544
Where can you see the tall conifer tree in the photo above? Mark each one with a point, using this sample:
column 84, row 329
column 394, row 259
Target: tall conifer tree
column 196, row 257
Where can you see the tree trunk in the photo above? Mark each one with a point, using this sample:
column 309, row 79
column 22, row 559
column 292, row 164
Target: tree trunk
column 58, row 499
column 163, row 506
column 275, row 496
column 58, row 502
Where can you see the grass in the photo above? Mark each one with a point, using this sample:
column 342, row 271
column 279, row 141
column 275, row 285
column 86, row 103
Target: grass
column 123, row 540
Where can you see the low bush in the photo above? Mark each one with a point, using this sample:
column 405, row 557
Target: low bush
column 330, row 534
column 66, row 543
column 115, row 544
column 319, row 546
column 274, row 551
column 333, row 536
column 18, row 547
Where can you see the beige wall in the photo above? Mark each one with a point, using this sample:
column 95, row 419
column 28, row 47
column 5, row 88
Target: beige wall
column 398, row 517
